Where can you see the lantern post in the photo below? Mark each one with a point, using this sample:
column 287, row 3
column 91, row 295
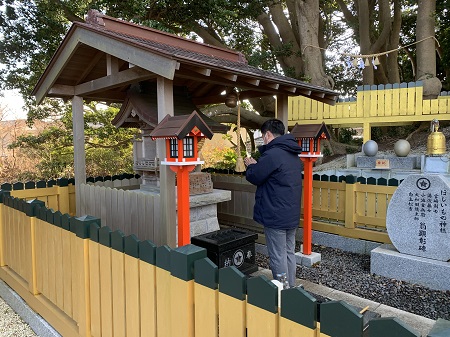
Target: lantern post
column 308, row 137
column 182, row 135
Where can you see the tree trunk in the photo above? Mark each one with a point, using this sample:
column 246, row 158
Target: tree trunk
column 308, row 14
column 364, row 38
column 426, row 50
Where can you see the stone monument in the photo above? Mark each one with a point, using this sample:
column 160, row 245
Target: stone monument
column 417, row 222
column 418, row 217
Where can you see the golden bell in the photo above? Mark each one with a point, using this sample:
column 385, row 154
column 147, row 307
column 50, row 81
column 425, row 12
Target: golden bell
column 436, row 144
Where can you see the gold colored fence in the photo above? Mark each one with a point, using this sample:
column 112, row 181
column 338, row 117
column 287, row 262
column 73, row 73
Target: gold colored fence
column 88, row 281
column 390, row 104
column 353, row 209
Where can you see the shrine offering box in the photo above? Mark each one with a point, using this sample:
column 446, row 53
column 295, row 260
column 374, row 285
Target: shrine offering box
column 230, row 247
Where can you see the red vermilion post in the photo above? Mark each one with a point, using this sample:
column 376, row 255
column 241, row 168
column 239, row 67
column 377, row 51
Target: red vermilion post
column 184, row 230
column 307, row 204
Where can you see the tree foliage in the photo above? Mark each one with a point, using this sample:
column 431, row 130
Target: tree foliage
column 286, row 36
column 108, row 149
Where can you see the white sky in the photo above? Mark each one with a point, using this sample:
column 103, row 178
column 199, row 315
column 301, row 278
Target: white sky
column 12, row 105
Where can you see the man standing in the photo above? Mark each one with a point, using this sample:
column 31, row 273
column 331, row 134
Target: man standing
column 278, row 177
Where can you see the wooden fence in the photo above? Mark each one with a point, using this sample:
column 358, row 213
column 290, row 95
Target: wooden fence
column 88, row 281
column 347, row 206
column 60, row 194
column 390, row 104
column 132, row 212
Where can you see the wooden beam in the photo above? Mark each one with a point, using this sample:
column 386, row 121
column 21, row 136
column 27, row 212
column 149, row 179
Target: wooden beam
column 226, row 76
column 252, row 81
column 56, row 68
column 112, row 65
column 199, row 70
column 167, row 215
column 216, row 99
column 60, row 90
column 129, row 52
column 114, row 80
column 282, row 109
column 79, row 151
column 98, row 55
column 288, row 88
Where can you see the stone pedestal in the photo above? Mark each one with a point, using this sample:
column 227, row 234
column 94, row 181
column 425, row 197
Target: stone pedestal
column 439, row 164
column 387, row 261
column 395, row 163
column 203, row 209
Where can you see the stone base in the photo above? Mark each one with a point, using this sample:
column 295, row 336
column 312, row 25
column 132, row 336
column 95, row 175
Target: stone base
column 203, row 209
column 358, row 246
column 387, row 261
column 440, row 329
column 307, row 260
column 402, row 163
column 437, row 164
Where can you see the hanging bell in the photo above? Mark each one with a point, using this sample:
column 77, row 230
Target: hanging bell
column 355, row 62
column 231, row 98
column 436, row 143
column 376, row 61
column 367, row 63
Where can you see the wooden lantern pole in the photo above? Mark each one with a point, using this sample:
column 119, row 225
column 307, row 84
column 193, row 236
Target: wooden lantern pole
column 240, row 166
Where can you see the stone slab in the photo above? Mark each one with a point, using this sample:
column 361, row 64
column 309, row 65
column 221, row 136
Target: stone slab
column 418, row 217
column 440, row 329
column 387, row 261
column 439, row 164
column 307, row 260
column 357, row 246
column 34, row 320
column 404, row 163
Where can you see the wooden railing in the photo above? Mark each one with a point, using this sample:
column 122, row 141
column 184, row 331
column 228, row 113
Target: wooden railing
column 351, row 208
column 60, row 194
column 132, row 212
column 391, row 104
column 88, row 281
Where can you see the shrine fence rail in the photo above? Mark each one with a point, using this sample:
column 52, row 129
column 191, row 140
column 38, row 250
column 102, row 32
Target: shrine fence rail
column 60, row 194
column 87, row 280
column 348, row 206
column 390, row 104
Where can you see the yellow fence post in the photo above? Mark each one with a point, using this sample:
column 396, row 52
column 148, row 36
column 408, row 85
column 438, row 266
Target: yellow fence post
column 31, row 212
column 2, row 224
column 81, row 226
column 350, row 210
column 182, row 261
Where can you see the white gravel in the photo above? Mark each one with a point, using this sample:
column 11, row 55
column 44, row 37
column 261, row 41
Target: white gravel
column 11, row 325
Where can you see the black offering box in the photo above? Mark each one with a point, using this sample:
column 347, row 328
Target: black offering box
column 230, row 247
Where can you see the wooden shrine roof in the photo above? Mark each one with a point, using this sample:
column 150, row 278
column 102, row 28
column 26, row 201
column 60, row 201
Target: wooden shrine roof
column 100, row 58
column 180, row 126
column 310, row 131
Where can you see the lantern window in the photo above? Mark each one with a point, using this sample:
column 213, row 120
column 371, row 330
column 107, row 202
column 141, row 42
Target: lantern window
column 305, row 144
column 173, row 148
column 188, row 147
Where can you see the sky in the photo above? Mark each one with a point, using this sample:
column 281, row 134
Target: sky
column 12, row 104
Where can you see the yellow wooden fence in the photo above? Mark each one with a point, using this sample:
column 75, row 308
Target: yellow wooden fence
column 88, row 281
column 353, row 210
column 374, row 106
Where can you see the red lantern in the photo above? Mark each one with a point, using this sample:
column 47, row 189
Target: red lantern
column 182, row 134
column 308, row 137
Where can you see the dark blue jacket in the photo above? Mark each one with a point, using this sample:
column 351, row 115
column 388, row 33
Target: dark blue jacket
column 278, row 177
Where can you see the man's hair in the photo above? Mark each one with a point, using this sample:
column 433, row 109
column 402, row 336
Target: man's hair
column 275, row 126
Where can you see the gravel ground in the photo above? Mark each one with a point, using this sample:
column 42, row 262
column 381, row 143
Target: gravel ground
column 350, row 273
column 11, row 324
